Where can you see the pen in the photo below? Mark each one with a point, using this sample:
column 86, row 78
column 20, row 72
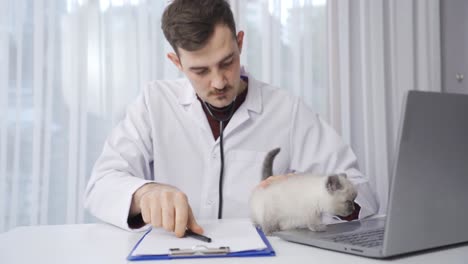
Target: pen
column 192, row 234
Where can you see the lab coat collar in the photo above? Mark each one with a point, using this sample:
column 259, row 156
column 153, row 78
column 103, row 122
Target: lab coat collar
column 188, row 96
column 253, row 102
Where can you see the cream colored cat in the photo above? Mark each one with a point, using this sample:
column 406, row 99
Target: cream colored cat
column 300, row 200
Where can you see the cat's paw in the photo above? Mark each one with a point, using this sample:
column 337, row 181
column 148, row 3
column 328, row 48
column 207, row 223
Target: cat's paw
column 317, row 227
column 270, row 229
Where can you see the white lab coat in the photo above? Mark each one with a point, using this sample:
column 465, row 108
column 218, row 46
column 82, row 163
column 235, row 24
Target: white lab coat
column 165, row 137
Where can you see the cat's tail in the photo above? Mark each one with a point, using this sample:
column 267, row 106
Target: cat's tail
column 268, row 163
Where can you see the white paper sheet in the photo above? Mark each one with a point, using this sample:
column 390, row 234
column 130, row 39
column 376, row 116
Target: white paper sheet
column 238, row 235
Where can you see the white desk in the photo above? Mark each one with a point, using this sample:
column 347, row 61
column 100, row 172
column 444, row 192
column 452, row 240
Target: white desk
column 101, row 243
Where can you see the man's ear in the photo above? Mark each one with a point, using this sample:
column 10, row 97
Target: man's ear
column 175, row 59
column 240, row 40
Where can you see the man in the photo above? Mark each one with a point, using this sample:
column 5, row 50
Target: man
column 164, row 164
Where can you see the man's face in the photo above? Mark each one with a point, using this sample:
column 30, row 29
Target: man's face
column 214, row 70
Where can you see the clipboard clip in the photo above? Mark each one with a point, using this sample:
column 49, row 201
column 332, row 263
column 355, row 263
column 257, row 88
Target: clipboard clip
column 199, row 250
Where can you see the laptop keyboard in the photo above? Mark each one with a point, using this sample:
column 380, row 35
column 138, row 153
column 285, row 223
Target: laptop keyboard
column 369, row 239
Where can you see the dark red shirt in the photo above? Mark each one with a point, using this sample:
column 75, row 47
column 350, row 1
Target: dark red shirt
column 214, row 124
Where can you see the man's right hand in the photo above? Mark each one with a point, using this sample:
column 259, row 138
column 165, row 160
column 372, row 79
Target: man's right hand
column 164, row 206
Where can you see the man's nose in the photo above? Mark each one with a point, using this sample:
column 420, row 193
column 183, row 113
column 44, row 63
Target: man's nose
column 219, row 80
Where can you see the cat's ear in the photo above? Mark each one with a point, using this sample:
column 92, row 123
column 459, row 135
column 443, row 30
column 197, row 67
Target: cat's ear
column 333, row 183
column 344, row 175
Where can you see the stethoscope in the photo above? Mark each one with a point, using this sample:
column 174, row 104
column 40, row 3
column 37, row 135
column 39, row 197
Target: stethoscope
column 230, row 110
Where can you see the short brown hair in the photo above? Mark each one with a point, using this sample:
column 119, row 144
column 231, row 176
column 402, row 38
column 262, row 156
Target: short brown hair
column 188, row 24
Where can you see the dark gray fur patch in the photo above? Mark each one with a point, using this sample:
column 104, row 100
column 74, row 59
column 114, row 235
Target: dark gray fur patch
column 268, row 163
column 333, row 183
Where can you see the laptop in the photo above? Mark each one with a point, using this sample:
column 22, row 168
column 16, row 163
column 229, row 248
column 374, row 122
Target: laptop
column 428, row 200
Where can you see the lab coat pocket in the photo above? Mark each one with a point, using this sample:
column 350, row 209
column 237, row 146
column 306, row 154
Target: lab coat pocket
column 243, row 170
column 245, row 164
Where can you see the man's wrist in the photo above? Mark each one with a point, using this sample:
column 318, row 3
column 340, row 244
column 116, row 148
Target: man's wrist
column 135, row 222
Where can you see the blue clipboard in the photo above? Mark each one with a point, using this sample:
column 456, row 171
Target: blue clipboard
column 222, row 252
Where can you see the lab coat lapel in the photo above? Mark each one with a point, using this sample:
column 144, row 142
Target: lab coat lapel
column 193, row 107
column 252, row 104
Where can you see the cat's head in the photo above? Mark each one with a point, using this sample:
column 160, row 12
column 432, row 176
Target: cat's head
column 341, row 194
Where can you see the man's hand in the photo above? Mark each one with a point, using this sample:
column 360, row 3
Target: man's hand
column 265, row 183
column 164, row 206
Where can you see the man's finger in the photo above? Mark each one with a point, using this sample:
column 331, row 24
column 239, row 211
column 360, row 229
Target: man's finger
column 265, row 183
column 192, row 223
column 181, row 214
column 156, row 214
column 167, row 211
column 145, row 213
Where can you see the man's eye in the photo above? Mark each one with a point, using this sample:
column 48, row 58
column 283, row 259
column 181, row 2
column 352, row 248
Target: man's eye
column 226, row 64
column 203, row 72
